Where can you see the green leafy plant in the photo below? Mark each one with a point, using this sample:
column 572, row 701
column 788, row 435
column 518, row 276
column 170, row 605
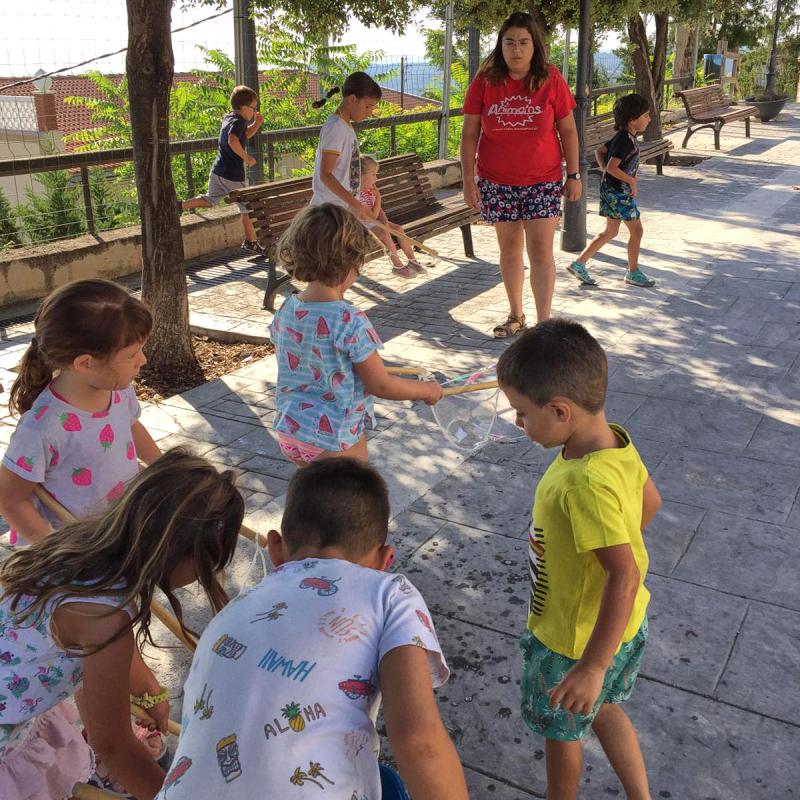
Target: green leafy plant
column 9, row 233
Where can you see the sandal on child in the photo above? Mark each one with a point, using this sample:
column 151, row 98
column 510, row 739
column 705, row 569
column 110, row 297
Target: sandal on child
column 415, row 265
column 403, row 272
column 511, row 327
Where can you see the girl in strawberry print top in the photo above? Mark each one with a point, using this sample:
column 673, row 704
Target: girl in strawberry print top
column 329, row 368
column 79, row 434
column 518, row 124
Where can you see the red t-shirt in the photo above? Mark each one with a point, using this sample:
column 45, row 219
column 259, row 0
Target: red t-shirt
column 519, row 145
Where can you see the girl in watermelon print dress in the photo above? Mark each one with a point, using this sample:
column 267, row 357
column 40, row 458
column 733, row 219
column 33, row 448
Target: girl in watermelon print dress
column 79, row 434
column 329, row 368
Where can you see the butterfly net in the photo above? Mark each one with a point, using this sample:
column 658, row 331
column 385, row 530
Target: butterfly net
column 475, row 418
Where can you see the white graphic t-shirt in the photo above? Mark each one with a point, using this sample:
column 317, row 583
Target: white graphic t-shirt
column 83, row 459
column 337, row 137
column 283, row 692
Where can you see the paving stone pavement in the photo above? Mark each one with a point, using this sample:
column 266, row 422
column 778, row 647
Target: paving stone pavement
column 704, row 373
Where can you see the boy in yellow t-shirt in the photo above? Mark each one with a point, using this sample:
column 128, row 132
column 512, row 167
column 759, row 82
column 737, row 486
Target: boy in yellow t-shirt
column 587, row 621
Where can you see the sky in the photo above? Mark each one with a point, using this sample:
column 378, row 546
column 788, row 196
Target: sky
column 50, row 34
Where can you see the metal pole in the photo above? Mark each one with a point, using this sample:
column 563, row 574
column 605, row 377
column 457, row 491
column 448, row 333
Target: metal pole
column 573, row 228
column 444, row 122
column 87, row 200
column 565, row 65
column 402, row 82
column 474, row 50
column 246, row 71
column 773, row 56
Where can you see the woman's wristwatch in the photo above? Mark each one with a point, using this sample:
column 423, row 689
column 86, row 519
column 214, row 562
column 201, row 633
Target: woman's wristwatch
column 573, row 176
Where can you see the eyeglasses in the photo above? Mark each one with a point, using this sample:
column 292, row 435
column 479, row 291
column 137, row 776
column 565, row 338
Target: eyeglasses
column 515, row 43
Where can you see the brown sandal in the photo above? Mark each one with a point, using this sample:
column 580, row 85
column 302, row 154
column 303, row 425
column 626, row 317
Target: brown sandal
column 511, row 327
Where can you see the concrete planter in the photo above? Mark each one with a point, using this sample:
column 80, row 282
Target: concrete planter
column 768, row 109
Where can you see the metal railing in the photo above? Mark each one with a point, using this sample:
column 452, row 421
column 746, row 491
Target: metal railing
column 268, row 141
column 81, row 162
column 621, row 88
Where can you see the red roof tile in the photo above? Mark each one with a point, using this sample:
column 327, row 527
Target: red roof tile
column 72, row 119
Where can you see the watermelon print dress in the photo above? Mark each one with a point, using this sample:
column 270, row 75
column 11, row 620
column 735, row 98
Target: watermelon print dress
column 83, row 459
column 320, row 399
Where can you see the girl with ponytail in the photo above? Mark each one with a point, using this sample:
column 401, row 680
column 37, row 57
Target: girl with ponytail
column 79, row 434
column 337, row 169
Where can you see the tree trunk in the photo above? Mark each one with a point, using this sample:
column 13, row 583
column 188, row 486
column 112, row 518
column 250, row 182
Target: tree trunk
column 686, row 66
column 149, row 66
column 649, row 77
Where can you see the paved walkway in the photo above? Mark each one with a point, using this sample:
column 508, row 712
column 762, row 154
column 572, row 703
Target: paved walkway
column 704, row 374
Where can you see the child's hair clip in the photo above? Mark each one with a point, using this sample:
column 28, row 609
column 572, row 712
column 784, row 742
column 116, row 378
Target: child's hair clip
column 322, row 101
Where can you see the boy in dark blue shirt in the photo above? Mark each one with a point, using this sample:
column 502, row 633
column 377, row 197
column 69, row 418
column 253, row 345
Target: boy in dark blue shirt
column 619, row 160
column 227, row 172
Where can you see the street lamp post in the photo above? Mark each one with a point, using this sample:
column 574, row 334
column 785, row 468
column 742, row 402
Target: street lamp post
column 573, row 227
column 773, row 56
column 246, row 66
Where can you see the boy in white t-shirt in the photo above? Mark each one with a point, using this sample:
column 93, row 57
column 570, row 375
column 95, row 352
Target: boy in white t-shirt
column 337, row 171
column 286, row 682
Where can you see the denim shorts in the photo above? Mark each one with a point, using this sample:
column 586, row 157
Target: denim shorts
column 618, row 204
column 542, row 670
column 503, row 203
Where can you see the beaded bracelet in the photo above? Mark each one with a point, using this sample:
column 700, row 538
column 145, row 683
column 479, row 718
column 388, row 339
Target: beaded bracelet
column 147, row 701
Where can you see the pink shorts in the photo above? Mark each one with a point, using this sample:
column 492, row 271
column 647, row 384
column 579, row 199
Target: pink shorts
column 296, row 450
column 50, row 758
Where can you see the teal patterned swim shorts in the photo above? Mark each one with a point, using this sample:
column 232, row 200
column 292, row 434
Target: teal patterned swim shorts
column 618, row 204
column 542, row 670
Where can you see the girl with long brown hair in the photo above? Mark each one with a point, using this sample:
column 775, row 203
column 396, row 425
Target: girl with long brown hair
column 518, row 125
column 69, row 606
column 79, row 435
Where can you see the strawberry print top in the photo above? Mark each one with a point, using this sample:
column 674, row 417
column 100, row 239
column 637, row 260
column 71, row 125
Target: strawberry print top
column 83, row 459
column 35, row 672
column 320, row 398
column 519, row 144
column 307, row 643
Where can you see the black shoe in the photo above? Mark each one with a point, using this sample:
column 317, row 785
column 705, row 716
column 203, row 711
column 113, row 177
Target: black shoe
column 253, row 247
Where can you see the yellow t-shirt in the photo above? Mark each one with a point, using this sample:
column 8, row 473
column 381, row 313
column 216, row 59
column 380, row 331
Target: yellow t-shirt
column 581, row 505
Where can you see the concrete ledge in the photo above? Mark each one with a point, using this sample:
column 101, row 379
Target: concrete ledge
column 31, row 273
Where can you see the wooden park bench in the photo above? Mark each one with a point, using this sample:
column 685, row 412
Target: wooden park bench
column 600, row 130
column 406, row 197
column 708, row 107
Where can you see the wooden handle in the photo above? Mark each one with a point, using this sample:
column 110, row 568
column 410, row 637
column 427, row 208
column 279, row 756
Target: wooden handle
column 171, row 624
column 377, row 238
column 82, row 791
column 51, row 504
column 405, row 370
column 143, row 716
column 470, row 387
column 425, row 249
column 253, row 536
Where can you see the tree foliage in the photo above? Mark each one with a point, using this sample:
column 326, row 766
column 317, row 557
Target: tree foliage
column 9, row 233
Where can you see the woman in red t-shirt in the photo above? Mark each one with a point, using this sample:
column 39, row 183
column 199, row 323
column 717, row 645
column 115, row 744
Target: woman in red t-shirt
column 518, row 118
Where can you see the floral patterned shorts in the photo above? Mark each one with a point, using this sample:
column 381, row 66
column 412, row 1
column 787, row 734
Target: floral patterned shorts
column 503, row 203
column 542, row 670
column 618, row 204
